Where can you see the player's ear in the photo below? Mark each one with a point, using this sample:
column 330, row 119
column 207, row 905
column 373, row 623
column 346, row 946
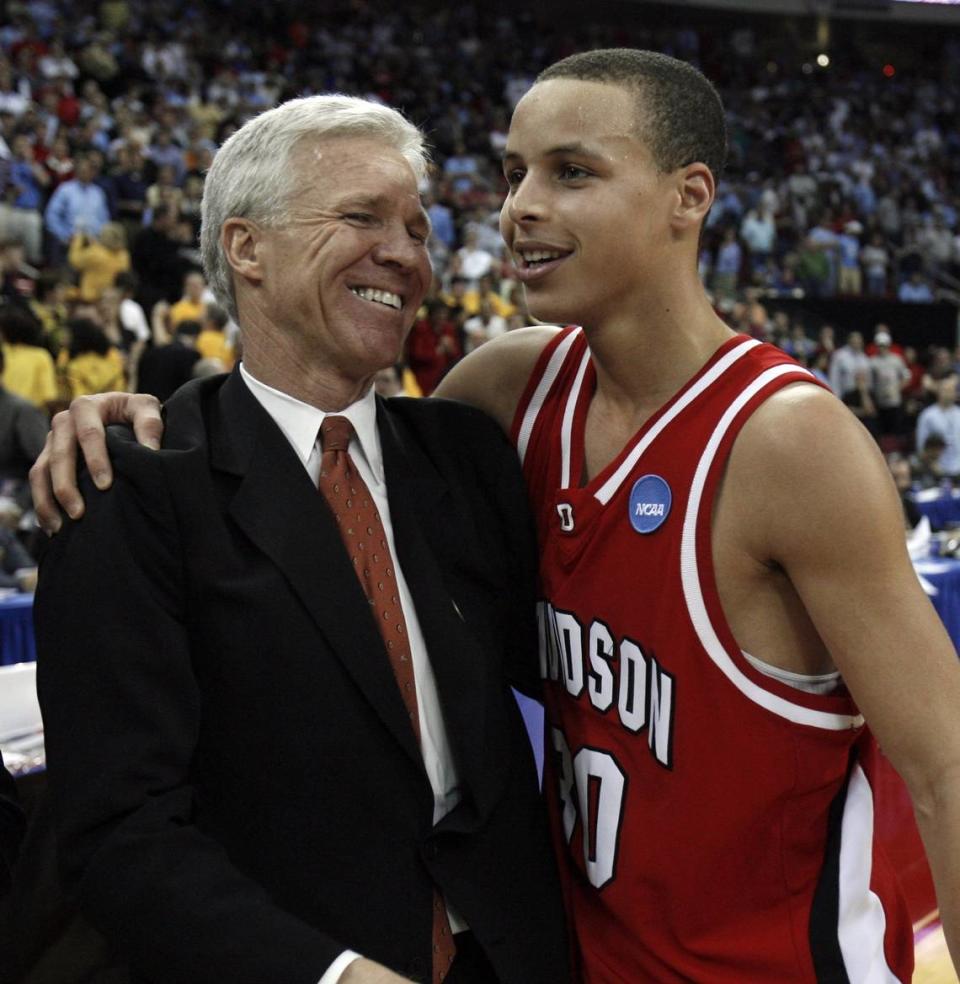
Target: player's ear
column 242, row 245
column 696, row 190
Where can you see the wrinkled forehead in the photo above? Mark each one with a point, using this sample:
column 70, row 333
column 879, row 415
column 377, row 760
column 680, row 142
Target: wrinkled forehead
column 341, row 167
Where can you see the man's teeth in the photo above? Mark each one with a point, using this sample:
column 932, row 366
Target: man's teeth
column 540, row 255
column 380, row 296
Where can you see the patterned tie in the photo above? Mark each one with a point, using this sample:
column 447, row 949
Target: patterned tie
column 365, row 539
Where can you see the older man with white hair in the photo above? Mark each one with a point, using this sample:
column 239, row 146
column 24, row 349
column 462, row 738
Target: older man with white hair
column 275, row 656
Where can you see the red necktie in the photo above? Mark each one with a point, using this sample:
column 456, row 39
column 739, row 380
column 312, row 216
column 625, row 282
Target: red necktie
column 366, row 541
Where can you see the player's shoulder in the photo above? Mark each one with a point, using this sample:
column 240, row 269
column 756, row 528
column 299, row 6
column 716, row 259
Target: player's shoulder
column 494, row 376
column 803, row 436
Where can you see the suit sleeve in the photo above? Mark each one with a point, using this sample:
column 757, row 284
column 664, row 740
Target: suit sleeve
column 11, row 827
column 122, row 713
column 519, row 593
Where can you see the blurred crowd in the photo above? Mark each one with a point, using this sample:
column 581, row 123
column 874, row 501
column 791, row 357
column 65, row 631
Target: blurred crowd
column 842, row 180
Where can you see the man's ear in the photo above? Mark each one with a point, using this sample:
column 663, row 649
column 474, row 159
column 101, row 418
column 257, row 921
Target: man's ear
column 242, row 245
column 696, row 190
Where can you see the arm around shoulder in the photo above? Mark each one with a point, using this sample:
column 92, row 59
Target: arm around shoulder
column 493, row 377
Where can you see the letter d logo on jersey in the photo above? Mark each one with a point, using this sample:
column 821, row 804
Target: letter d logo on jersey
column 650, row 501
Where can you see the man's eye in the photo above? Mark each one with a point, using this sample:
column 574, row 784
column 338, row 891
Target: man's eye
column 514, row 176
column 364, row 218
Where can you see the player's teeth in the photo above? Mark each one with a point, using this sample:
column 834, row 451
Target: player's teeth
column 539, row 255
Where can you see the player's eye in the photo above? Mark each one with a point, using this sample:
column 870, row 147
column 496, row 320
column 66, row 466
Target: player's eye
column 573, row 172
column 514, row 176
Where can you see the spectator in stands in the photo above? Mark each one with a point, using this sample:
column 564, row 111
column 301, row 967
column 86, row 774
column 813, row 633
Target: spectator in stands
column 21, row 210
column 76, row 206
column 155, row 255
column 859, row 398
column 93, row 365
column 23, row 430
column 163, row 369
column 875, row 258
column 16, row 277
column 212, row 342
column 890, row 374
column 943, row 418
column 192, row 305
column 133, row 319
column 433, row 346
column 915, row 290
column 475, row 262
column 926, row 464
column 483, row 326
column 28, row 366
column 759, row 233
column 726, row 268
column 49, row 307
column 902, row 476
column 131, row 181
column 99, row 260
column 846, row 362
column 848, row 259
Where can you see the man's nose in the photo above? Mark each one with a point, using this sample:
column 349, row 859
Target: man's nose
column 399, row 248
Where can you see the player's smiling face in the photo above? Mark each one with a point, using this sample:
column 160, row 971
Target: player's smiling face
column 587, row 213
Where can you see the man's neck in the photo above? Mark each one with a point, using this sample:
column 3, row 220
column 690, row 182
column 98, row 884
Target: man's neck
column 319, row 385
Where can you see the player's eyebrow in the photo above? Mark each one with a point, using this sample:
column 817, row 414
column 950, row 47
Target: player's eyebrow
column 575, row 149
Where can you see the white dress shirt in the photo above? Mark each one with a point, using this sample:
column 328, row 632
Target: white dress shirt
column 300, row 423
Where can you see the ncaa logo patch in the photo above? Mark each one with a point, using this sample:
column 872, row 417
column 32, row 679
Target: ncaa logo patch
column 650, row 501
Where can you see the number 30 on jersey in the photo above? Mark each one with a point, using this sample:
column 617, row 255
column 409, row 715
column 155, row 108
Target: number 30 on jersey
column 593, row 789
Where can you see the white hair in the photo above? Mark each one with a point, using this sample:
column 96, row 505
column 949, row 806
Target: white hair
column 251, row 177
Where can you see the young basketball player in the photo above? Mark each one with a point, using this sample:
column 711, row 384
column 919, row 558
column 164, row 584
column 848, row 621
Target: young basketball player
column 726, row 596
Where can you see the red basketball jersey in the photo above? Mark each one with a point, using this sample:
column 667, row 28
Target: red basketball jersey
column 714, row 824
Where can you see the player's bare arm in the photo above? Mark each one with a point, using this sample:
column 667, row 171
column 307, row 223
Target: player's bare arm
column 53, row 478
column 491, row 378
column 494, row 376
column 807, row 495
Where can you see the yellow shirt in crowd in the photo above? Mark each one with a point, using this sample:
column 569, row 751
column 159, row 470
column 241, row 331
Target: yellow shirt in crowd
column 97, row 265
column 29, row 372
column 213, row 344
column 186, row 310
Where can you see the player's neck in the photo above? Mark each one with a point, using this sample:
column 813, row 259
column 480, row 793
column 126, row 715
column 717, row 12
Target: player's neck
column 643, row 360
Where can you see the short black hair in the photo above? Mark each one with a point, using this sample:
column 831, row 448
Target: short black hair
column 217, row 316
column 189, row 328
column 19, row 327
column 86, row 336
column 680, row 112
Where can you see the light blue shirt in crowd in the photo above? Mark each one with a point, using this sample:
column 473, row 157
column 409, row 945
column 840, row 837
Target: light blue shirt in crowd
column 945, row 422
column 76, row 207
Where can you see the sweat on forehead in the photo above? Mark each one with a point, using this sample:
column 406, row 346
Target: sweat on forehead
column 679, row 113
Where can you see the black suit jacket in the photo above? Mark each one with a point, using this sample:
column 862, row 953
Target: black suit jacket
column 239, row 791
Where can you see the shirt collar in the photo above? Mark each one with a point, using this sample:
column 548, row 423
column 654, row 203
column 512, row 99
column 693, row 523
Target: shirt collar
column 300, row 422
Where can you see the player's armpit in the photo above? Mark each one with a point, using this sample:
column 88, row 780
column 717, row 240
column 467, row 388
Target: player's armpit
column 493, row 377
column 827, row 513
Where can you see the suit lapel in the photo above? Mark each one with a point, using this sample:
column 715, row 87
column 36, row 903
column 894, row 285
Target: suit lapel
column 419, row 500
column 282, row 513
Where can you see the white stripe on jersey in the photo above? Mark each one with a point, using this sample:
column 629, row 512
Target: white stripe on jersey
column 862, row 921
column 609, row 488
column 540, row 393
column 693, row 591
column 566, row 428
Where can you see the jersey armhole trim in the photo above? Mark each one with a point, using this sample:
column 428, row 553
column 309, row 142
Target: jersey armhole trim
column 798, row 710
column 545, row 372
